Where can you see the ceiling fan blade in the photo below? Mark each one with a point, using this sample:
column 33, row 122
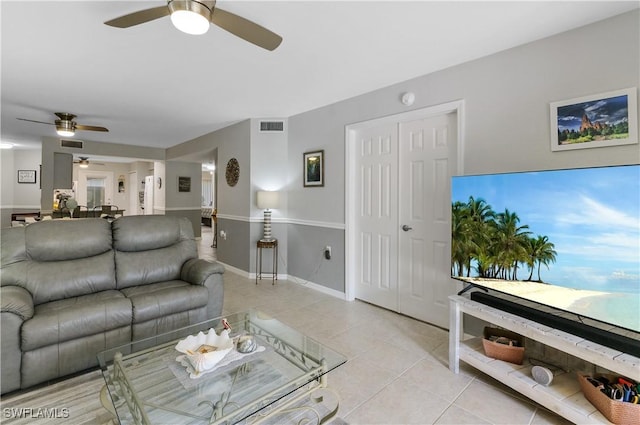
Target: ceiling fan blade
column 90, row 128
column 39, row 122
column 139, row 17
column 245, row 29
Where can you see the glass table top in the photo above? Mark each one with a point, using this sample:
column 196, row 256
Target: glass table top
column 149, row 381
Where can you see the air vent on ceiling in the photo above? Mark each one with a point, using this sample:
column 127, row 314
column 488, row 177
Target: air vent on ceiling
column 271, row 126
column 77, row 144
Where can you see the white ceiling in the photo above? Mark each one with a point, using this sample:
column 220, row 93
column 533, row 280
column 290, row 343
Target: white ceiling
column 152, row 85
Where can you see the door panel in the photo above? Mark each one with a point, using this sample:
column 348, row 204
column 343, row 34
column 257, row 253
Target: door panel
column 426, row 155
column 377, row 161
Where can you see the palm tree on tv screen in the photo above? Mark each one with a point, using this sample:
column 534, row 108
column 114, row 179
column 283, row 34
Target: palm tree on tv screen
column 540, row 251
column 495, row 243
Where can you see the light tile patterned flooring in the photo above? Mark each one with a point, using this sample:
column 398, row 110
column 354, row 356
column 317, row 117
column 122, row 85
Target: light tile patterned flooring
column 397, row 369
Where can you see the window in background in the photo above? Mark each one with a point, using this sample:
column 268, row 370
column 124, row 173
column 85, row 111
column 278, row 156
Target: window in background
column 95, row 192
column 207, row 193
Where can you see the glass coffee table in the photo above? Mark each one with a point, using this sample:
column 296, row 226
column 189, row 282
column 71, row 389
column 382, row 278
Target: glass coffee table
column 149, row 381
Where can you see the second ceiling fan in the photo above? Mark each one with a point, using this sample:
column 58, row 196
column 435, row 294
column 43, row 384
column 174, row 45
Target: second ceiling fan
column 83, row 162
column 194, row 17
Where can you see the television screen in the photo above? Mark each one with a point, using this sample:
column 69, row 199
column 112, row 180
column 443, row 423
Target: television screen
column 569, row 239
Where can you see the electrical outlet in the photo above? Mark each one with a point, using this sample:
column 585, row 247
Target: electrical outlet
column 327, row 252
column 223, row 234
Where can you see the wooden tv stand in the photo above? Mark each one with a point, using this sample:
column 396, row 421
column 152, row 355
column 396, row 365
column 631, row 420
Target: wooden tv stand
column 563, row 396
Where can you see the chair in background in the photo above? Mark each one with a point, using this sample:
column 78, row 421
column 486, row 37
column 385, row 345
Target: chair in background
column 109, row 209
column 105, row 211
column 80, row 211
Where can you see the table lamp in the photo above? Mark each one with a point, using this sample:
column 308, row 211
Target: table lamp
column 266, row 201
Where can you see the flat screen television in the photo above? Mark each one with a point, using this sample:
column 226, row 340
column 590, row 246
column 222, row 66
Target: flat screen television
column 568, row 239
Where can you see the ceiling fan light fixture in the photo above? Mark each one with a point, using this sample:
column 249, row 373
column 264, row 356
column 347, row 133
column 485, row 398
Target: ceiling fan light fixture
column 190, row 17
column 65, row 128
column 83, row 163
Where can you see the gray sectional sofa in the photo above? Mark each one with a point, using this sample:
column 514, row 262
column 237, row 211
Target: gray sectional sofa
column 72, row 288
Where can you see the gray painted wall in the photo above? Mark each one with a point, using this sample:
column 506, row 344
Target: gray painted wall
column 234, row 203
column 235, row 250
column 235, row 200
column 506, row 122
column 307, row 260
column 186, row 204
column 7, row 173
column 16, row 197
column 62, row 170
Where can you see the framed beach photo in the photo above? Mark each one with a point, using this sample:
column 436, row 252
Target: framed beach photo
column 606, row 119
column 313, row 168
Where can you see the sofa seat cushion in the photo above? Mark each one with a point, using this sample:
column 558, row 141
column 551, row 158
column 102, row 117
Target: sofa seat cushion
column 73, row 318
column 164, row 298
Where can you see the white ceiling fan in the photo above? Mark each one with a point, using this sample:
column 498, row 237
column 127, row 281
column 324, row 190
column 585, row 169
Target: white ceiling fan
column 194, row 17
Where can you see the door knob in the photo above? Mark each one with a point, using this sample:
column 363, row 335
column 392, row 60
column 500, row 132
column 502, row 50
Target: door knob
column 406, row 228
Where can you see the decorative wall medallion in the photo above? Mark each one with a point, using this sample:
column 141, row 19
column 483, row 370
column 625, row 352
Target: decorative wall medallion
column 233, row 172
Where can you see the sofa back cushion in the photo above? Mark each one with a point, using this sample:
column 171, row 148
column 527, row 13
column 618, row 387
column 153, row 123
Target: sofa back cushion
column 151, row 248
column 58, row 259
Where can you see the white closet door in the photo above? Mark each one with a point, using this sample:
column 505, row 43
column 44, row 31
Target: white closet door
column 401, row 208
column 427, row 161
column 377, row 215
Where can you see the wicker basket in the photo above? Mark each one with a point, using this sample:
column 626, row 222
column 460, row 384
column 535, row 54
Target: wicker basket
column 503, row 351
column 617, row 412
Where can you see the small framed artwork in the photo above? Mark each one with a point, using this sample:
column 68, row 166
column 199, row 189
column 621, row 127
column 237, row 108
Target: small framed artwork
column 27, row 176
column 606, row 119
column 184, row 184
column 313, row 168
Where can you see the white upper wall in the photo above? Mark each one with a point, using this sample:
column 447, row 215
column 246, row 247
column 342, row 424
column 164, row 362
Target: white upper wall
column 507, row 98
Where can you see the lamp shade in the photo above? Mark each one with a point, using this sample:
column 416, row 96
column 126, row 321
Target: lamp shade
column 267, row 200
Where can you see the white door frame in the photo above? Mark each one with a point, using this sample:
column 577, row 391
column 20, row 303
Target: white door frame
column 351, row 180
column 134, row 203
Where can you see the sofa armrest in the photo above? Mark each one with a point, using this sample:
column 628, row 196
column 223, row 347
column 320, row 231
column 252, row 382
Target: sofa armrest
column 16, row 306
column 196, row 271
column 209, row 274
column 16, row 300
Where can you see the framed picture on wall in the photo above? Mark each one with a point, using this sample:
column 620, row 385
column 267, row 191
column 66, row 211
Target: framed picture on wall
column 184, row 184
column 606, row 119
column 313, row 168
column 27, row 176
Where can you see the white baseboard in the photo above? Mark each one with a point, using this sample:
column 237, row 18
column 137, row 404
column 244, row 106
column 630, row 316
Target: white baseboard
column 237, row 270
column 318, row 287
column 293, row 279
